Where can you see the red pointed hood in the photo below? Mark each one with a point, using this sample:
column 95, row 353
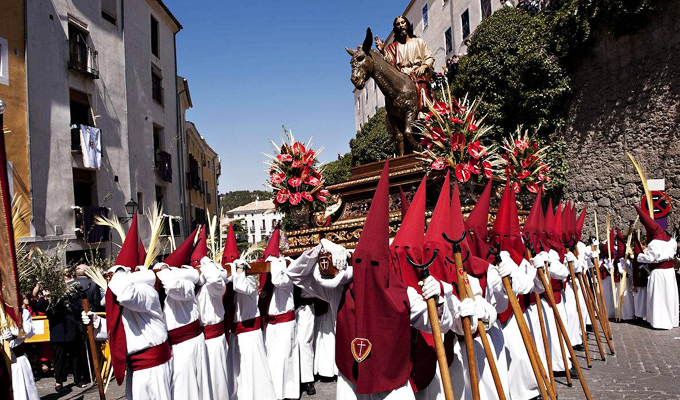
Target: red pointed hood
column 506, row 230
column 477, row 224
column 440, row 224
column 411, row 235
column 404, row 203
column 559, row 220
column 201, row 249
column 142, row 253
column 611, row 239
column 182, row 254
column 128, row 255
column 533, row 223
column 578, row 231
column 653, row 229
column 374, row 291
column 620, row 245
column 230, row 248
column 272, row 248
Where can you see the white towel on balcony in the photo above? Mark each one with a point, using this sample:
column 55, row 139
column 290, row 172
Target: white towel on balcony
column 91, row 146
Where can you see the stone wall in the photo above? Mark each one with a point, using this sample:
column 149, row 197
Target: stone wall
column 626, row 99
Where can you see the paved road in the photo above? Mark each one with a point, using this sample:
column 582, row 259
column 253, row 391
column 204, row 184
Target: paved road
column 646, row 366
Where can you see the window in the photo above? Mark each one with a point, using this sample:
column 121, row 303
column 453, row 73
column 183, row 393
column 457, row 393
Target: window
column 465, row 23
column 110, row 11
column 425, row 18
column 81, row 57
column 264, row 227
column 140, row 201
column 156, row 85
column 486, row 8
column 84, row 188
column 4, row 62
column 80, row 115
column 449, row 41
column 159, row 196
column 154, row 38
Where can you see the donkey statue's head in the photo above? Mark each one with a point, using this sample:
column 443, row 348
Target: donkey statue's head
column 362, row 62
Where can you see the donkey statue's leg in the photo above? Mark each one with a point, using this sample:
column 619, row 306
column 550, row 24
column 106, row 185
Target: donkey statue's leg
column 397, row 135
column 408, row 129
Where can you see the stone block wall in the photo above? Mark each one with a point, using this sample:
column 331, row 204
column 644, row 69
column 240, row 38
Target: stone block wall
column 626, row 99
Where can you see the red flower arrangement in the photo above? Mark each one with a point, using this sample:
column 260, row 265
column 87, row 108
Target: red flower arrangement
column 452, row 139
column 294, row 175
column 523, row 163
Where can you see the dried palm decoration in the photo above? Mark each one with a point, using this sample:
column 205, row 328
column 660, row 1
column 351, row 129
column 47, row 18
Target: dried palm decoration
column 643, row 178
column 112, row 222
column 155, row 218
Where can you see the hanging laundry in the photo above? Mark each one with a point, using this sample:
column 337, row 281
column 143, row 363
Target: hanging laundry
column 91, row 146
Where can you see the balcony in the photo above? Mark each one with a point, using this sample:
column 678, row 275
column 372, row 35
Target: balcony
column 82, row 58
column 85, row 226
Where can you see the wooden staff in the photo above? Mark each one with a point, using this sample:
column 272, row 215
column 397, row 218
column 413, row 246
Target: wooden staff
column 562, row 328
column 436, row 329
column 544, row 385
column 93, row 351
column 467, row 328
column 603, row 317
column 574, row 286
column 587, row 296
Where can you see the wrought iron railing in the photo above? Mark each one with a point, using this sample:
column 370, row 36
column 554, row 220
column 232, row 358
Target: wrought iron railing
column 83, row 58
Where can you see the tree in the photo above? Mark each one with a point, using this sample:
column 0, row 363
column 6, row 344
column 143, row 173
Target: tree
column 338, row 171
column 237, row 198
column 373, row 142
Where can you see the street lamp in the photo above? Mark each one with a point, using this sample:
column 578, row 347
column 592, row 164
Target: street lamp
column 131, row 207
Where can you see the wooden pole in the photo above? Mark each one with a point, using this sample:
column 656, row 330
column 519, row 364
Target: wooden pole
column 587, row 296
column 561, row 327
column 603, row 306
column 490, row 356
column 574, row 286
column 544, row 387
column 467, row 328
column 546, row 344
column 93, row 351
column 603, row 317
column 436, row 330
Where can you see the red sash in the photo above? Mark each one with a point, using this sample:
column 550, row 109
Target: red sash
column 664, row 265
column 19, row 350
column 281, row 318
column 184, row 333
column 214, row 330
column 151, row 357
column 247, row 326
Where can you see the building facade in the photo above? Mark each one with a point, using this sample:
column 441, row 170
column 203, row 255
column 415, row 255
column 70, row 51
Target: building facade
column 445, row 25
column 203, row 168
column 108, row 65
column 259, row 218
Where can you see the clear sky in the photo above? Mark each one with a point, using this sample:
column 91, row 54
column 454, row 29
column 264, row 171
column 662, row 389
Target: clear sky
column 255, row 66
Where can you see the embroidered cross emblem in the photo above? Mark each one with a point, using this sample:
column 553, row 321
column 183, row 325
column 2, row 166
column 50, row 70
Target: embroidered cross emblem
column 361, row 348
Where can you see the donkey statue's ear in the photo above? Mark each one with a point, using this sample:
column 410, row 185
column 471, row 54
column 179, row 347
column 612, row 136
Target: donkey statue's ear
column 351, row 52
column 368, row 41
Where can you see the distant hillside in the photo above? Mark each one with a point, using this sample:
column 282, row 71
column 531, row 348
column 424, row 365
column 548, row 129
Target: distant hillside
column 237, row 198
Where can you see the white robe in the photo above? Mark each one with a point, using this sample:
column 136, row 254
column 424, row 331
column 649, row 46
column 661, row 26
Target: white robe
column 324, row 354
column 253, row 380
column 211, row 309
column 662, row 289
column 571, row 319
column 144, row 328
column 191, row 374
column 280, row 339
column 301, row 274
column 626, row 301
column 607, row 290
column 304, row 317
column 23, row 383
column 640, row 299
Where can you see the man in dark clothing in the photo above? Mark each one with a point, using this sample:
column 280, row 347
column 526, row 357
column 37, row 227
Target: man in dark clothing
column 66, row 337
column 89, row 289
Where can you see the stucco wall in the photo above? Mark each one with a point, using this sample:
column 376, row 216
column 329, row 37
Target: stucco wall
column 626, row 98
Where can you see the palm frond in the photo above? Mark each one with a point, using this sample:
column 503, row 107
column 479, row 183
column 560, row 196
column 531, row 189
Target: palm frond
column 156, row 224
column 97, row 277
column 112, row 222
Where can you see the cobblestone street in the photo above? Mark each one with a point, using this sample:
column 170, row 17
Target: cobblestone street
column 646, row 366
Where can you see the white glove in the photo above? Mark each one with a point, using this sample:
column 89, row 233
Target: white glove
column 539, row 260
column 7, row 335
column 481, row 311
column 466, row 308
column 595, row 243
column 338, row 253
column 570, row 257
column 240, row 263
column 90, row 317
column 158, row 266
column 595, row 254
column 430, row 287
column 552, row 257
column 578, row 266
column 506, row 266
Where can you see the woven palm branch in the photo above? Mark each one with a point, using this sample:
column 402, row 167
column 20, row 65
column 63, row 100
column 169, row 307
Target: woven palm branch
column 96, row 277
column 155, row 217
column 643, row 178
column 212, row 231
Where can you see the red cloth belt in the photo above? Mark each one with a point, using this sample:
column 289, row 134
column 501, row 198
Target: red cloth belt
column 19, row 350
column 151, row 357
column 281, row 318
column 214, row 330
column 184, row 333
column 247, row 326
column 664, row 265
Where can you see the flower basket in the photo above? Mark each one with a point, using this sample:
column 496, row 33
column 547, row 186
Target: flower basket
column 523, row 163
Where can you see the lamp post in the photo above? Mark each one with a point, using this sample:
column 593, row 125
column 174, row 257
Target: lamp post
column 131, row 207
